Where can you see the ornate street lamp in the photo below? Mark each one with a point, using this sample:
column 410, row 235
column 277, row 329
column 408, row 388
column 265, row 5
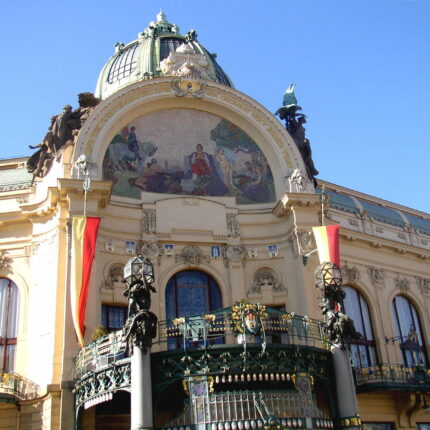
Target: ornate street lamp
column 138, row 333
column 139, row 269
column 328, row 276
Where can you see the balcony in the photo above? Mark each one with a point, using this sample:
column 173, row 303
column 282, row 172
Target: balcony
column 213, row 345
column 14, row 387
column 392, row 377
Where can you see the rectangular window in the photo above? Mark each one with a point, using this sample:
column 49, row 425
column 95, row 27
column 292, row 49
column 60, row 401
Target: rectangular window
column 423, row 426
column 113, row 317
column 378, row 426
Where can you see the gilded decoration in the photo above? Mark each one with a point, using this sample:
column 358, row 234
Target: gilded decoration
column 215, row 159
column 246, row 316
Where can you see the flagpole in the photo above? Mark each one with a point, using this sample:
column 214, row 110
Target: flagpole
column 86, row 185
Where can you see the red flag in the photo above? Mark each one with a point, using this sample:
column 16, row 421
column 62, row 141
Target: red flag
column 84, row 237
column 327, row 239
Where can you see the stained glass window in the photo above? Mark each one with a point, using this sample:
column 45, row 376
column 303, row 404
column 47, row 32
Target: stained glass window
column 191, row 293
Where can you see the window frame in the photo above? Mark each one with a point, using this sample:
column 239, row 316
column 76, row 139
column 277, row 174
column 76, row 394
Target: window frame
column 406, row 346
column 5, row 341
column 108, row 307
column 367, row 343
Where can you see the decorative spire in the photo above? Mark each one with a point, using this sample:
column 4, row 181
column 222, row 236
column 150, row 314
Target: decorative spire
column 161, row 16
column 161, row 25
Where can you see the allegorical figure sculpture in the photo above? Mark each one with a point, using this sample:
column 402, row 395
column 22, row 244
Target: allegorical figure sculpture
column 141, row 325
column 62, row 131
column 294, row 121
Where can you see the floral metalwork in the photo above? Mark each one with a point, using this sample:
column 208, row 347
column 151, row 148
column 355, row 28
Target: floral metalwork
column 109, row 380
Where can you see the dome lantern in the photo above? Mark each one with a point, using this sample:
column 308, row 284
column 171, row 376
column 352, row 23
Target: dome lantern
column 141, row 59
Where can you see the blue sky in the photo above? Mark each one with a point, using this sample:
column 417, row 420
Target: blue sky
column 361, row 69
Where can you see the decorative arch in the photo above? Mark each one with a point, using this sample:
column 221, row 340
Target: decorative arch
column 154, row 95
column 191, row 292
column 356, row 306
column 266, row 276
column 409, row 332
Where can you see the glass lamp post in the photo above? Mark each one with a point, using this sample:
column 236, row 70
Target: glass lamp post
column 139, row 270
column 328, row 276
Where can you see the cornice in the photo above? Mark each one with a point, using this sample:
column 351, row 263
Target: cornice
column 378, row 242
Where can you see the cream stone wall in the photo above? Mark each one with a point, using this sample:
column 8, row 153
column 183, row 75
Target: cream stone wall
column 35, row 236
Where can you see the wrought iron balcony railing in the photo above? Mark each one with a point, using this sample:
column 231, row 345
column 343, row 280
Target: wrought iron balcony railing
column 224, row 326
column 251, row 410
column 202, row 331
column 392, row 376
column 16, row 386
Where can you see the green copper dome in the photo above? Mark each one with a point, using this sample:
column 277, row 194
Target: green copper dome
column 143, row 58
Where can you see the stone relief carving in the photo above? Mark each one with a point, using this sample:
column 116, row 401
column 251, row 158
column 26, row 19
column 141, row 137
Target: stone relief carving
column 192, row 256
column 234, row 253
column 353, row 222
column 232, row 225
column 402, row 284
column 350, row 274
column 305, row 241
column 150, row 249
column 297, row 182
column 115, row 274
column 423, row 285
column 149, row 221
column 186, row 63
column 4, row 261
column 85, row 166
column 265, row 277
column 377, row 277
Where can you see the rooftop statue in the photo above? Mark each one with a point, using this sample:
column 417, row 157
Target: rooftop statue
column 63, row 130
column 294, row 121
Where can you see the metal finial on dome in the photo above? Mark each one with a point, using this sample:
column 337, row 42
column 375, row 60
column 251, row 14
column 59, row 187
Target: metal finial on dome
column 161, row 16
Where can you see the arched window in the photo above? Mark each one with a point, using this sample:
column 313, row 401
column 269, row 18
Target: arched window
column 191, row 293
column 9, row 314
column 362, row 350
column 409, row 332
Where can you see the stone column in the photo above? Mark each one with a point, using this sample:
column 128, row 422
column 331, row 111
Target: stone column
column 141, row 389
column 345, row 388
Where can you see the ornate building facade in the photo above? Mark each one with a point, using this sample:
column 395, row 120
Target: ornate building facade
column 220, row 196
